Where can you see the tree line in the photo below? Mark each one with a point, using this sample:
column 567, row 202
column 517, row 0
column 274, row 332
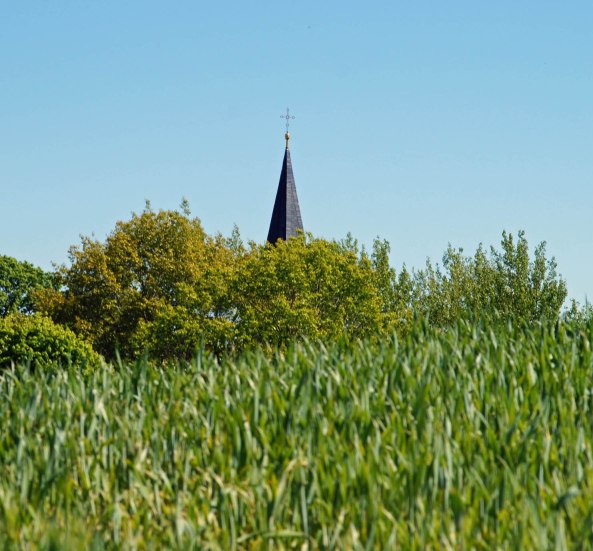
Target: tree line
column 160, row 285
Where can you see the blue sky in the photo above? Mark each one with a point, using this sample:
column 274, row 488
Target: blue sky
column 421, row 122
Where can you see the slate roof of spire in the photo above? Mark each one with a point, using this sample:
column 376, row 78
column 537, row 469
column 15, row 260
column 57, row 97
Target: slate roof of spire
column 286, row 216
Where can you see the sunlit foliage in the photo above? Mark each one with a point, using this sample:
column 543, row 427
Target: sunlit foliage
column 158, row 284
column 478, row 437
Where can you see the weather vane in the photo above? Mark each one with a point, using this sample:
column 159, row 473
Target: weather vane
column 287, row 118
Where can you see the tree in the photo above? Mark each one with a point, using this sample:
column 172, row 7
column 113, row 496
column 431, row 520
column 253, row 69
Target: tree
column 18, row 281
column 529, row 289
column 507, row 283
column 305, row 287
column 395, row 291
column 158, row 283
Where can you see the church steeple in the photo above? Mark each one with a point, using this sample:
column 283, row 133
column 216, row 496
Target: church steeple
column 286, row 216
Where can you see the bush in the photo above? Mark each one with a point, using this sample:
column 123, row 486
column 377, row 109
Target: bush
column 36, row 339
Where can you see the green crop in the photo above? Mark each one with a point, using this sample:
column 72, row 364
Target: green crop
column 479, row 437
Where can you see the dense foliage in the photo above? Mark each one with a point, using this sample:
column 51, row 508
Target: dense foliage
column 448, row 407
column 38, row 342
column 18, row 282
column 159, row 284
column 506, row 282
column 479, row 437
column 304, row 287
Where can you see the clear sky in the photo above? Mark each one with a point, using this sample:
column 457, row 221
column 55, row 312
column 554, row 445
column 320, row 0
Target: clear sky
column 421, row 122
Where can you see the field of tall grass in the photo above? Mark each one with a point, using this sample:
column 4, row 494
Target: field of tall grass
column 476, row 437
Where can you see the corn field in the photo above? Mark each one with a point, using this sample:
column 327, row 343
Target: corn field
column 478, row 437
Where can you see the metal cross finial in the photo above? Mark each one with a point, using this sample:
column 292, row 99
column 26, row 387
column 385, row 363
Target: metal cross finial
column 287, row 117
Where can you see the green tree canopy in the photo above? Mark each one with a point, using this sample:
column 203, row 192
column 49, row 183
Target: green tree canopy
column 18, row 281
column 506, row 282
column 305, row 287
column 158, row 283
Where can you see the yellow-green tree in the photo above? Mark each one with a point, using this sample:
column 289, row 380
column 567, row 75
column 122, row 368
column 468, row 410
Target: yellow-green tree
column 158, row 284
column 305, row 287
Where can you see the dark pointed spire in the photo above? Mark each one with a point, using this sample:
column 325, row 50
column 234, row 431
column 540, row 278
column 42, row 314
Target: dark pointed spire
column 286, row 216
